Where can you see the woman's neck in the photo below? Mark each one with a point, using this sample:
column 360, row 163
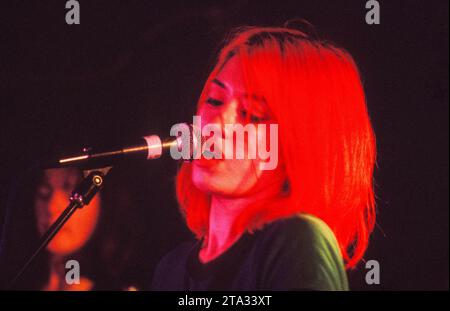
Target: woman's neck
column 222, row 216
column 56, row 276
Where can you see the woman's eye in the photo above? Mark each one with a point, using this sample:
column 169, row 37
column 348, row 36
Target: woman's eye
column 44, row 193
column 214, row 102
column 68, row 186
column 253, row 118
column 244, row 114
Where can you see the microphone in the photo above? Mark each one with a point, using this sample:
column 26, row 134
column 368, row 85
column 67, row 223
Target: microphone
column 148, row 147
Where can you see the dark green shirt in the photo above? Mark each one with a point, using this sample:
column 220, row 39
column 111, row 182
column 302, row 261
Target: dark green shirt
column 297, row 253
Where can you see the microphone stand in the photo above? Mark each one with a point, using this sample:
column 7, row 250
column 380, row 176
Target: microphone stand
column 81, row 196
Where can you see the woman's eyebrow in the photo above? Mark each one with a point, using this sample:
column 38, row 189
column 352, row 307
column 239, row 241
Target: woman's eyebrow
column 252, row 96
column 219, row 83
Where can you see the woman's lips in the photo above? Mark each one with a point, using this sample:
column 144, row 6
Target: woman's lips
column 203, row 162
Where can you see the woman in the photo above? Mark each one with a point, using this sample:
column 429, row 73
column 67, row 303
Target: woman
column 51, row 199
column 102, row 236
column 297, row 226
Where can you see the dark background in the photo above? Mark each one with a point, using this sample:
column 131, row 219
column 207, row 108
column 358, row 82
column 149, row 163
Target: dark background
column 137, row 67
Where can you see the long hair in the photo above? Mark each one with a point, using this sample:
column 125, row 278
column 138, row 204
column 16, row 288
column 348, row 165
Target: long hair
column 327, row 145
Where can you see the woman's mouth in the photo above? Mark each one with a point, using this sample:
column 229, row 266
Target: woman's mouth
column 204, row 162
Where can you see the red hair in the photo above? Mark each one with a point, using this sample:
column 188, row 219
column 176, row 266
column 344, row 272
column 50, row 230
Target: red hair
column 327, row 145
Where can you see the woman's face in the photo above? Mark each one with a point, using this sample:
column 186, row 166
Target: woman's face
column 227, row 102
column 52, row 198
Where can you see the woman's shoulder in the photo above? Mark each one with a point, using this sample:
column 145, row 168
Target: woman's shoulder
column 302, row 227
column 169, row 271
column 301, row 252
column 176, row 254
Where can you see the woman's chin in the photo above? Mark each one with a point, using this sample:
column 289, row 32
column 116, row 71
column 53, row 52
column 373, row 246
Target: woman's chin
column 217, row 189
column 226, row 185
column 203, row 184
column 63, row 248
